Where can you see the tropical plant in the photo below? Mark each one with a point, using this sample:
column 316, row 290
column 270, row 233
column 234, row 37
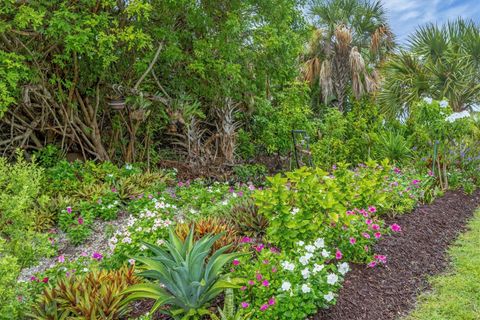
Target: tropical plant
column 211, row 226
column 247, row 220
column 229, row 311
column 187, row 282
column 96, row 295
column 393, row 146
column 350, row 39
column 441, row 62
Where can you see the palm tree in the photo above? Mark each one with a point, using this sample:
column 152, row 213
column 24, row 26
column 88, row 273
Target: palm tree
column 350, row 39
column 441, row 62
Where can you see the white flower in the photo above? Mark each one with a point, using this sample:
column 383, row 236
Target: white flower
column 131, row 261
column 128, row 166
column 457, row 115
column 319, row 243
column 113, row 240
column 139, row 229
column 286, row 285
column 428, row 100
column 310, row 248
column 329, row 297
column 85, row 270
column 325, row 253
column 306, row 288
column 224, row 202
column 143, row 247
column 317, row 268
column 305, row 259
column 193, row 211
column 343, row 268
column 301, row 243
column 443, row 103
column 288, row 266
column 160, row 242
column 332, row 278
column 305, row 273
column 294, row 211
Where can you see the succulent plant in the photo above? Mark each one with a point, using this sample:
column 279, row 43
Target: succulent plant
column 182, row 277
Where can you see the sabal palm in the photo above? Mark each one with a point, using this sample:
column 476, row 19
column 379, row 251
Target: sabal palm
column 351, row 38
column 441, row 62
column 186, row 281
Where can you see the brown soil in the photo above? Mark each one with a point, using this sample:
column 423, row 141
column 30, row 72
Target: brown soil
column 416, row 253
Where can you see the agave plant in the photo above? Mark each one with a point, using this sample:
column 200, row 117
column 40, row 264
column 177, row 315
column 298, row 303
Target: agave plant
column 182, row 278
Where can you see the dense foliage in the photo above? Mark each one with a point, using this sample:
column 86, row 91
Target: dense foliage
column 149, row 154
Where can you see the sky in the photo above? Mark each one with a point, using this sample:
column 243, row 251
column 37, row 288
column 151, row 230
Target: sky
column 405, row 15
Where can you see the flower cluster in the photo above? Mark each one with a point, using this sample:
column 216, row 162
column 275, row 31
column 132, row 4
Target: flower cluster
column 291, row 284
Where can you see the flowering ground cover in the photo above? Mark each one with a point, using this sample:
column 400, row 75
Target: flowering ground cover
column 414, row 254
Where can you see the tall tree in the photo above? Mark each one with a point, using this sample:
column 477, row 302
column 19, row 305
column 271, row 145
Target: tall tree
column 440, row 62
column 351, row 38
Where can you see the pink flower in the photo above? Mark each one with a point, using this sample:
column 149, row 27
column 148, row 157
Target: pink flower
column 231, row 190
column 430, row 173
column 97, row 256
column 372, row 264
column 372, row 209
column 61, row 258
column 264, row 307
column 240, row 193
column 69, row 209
column 395, row 227
column 415, row 182
column 352, row 240
column 114, row 190
column 366, row 235
column 265, row 283
column 265, row 261
column 251, row 187
column 33, row 278
column 338, row 255
column 274, row 250
column 80, row 220
column 375, row 227
column 236, row 262
column 180, row 184
column 377, row 235
column 350, row 212
column 84, row 254
column 259, row 276
column 368, row 221
column 260, row 247
column 251, row 282
column 243, row 288
column 365, row 248
column 245, row 305
column 396, row 170
column 246, row 240
column 271, row 301
column 381, row 258
column 45, row 280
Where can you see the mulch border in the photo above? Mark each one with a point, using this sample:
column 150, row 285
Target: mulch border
column 415, row 254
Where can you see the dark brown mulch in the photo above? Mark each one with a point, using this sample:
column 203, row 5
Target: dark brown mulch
column 416, row 253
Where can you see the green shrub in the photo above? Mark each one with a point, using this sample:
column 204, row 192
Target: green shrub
column 20, row 185
column 10, row 304
column 254, row 173
column 306, row 202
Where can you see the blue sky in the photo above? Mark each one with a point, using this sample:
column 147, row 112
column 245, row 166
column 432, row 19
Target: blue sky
column 406, row 15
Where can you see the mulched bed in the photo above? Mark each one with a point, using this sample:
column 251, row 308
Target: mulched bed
column 416, row 253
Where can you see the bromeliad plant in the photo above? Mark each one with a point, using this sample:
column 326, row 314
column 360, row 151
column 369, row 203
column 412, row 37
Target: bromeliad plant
column 187, row 282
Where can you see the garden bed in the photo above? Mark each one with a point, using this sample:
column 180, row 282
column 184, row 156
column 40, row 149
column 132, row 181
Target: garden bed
column 416, row 253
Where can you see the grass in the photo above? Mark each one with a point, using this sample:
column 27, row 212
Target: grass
column 456, row 295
